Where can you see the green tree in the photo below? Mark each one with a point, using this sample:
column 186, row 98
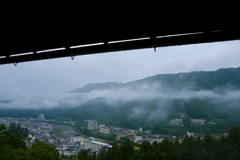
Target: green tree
column 127, row 149
column 19, row 154
column 103, row 154
column 17, row 129
column 233, row 143
column 114, row 152
column 84, row 155
column 221, row 149
column 15, row 141
column 110, row 153
column 145, row 151
column 4, row 147
column 187, row 150
column 146, row 147
column 43, row 151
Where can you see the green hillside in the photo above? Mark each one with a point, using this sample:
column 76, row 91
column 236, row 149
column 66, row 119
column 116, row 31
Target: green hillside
column 153, row 101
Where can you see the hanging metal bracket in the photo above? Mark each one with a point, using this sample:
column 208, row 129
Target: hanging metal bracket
column 15, row 63
column 69, row 51
column 153, row 38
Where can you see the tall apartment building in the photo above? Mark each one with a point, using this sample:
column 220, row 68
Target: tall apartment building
column 93, row 125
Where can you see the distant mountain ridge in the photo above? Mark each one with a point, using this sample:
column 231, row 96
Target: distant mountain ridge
column 197, row 80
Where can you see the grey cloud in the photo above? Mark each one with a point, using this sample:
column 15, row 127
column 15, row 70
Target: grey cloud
column 137, row 111
column 161, row 111
column 5, row 101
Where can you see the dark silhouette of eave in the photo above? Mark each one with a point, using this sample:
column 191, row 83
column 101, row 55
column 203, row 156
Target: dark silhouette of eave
column 146, row 41
column 26, row 37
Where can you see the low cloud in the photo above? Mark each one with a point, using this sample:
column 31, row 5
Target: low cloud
column 157, row 93
column 5, row 101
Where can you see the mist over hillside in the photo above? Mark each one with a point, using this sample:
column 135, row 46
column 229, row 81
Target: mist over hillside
column 209, row 95
column 222, row 85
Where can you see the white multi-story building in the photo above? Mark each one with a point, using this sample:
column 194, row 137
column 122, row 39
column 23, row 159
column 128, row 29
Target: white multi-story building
column 176, row 122
column 77, row 139
column 95, row 146
column 93, row 125
column 200, row 122
column 138, row 139
column 105, row 130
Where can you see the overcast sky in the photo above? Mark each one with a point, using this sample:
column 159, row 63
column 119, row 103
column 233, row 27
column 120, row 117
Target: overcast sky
column 56, row 76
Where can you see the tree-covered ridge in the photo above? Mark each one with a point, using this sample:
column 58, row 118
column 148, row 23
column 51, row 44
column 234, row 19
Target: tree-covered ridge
column 197, row 80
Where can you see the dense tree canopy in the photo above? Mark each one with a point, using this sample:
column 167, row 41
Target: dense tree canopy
column 12, row 146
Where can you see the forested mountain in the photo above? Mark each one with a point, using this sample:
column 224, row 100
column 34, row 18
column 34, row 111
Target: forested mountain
column 153, row 101
column 226, row 78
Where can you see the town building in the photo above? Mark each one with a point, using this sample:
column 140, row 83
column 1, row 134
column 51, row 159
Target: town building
column 77, row 139
column 6, row 123
column 200, row 122
column 68, row 149
column 95, row 146
column 93, row 125
column 132, row 132
column 138, row 139
column 148, row 132
column 41, row 117
column 176, row 122
column 190, row 134
column 105, row 130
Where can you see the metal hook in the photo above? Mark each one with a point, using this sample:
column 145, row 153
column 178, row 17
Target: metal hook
column 69, row 51
column 154, row 43
column 15, row 63
column 72, row 56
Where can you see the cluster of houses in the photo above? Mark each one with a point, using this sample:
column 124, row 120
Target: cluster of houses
column 137, row 136
column 47, row 131
column 69, row 144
